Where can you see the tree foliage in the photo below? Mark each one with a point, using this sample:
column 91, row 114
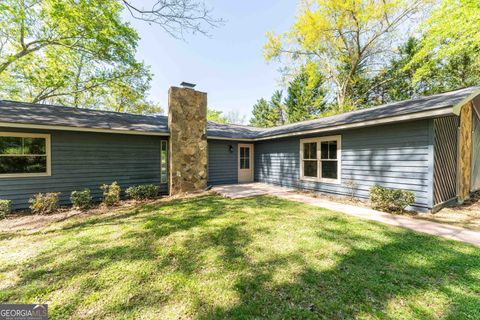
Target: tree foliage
column 77, row 53
column 347, row 39
column 215, row 116
column 269, row 113
column 450, row 39
column 82, row 53
column 305, row 95
column 400, row 79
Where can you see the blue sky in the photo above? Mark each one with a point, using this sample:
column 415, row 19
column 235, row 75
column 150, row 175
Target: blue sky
column 229, row 66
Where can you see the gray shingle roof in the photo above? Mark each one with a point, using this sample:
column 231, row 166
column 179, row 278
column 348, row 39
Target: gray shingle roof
column 407, row 107
column 233, row 131
column 41, row 114
column 26, row 113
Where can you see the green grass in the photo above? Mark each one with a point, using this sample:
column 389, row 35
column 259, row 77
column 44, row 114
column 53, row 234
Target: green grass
column 215, row 258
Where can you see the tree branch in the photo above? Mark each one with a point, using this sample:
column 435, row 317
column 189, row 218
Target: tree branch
column 176, row 16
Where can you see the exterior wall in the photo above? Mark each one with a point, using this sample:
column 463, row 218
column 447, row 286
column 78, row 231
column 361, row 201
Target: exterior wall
column 445, row 159
column 222, row 164
column 187, row 120
column 465, row 152
column 394, row 156
column 87, row 160
column 476, row 152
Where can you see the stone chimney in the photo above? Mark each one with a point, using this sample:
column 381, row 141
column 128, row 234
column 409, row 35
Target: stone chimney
column 188, row 155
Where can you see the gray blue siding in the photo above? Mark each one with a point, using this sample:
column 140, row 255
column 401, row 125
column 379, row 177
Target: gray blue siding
column 87, row 160
column 394, row 156
column 222, row 164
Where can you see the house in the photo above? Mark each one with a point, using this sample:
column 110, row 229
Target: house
column 428, row 145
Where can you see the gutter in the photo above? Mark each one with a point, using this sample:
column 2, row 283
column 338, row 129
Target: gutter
column 80, row 129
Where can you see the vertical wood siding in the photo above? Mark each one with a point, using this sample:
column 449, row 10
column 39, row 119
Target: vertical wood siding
column 476, row 152
column 222, row 164
column 394, row 156
column 445, row 159
column 87, row 160
column 465, row 149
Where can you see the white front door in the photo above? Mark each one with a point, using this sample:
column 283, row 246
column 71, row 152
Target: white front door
column 245, row 163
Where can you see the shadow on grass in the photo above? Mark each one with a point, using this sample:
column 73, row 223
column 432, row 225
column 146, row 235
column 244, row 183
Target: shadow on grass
column 365, row 283
column 159, row 256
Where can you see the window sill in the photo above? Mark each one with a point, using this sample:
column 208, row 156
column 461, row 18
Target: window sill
column 329, row 181
column 24, row 175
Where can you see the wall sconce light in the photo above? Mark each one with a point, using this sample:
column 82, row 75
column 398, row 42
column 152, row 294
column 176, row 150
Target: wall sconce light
column 230, row 148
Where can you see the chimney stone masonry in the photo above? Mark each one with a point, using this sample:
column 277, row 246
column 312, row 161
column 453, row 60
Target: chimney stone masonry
column 188, row 154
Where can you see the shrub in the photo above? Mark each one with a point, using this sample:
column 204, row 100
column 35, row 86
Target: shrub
column 44, row 203
column 390, row 200
column 5, row 208
column 141, row 192
column 111, row 193
column 81, row 199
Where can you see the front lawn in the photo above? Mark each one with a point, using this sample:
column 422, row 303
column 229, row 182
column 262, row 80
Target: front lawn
column 209, row 257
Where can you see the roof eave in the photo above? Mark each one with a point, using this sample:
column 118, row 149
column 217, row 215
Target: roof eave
column 444, row 111
column 458, row 107
column 413, row 116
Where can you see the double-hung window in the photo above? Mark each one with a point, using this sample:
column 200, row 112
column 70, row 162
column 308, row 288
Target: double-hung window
column 24, row 154
column 320, row 159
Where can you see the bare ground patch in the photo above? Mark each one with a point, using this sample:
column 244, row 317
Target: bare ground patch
column 466, row 215
column 30, row 223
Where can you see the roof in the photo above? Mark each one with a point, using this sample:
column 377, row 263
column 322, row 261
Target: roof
column 232, row 131
column 42, row 114
column 68, row 118
column 417, row 108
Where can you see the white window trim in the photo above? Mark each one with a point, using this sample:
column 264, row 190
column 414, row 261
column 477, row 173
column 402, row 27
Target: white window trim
column 318, row 140
column 48, row 154
column 164, row 181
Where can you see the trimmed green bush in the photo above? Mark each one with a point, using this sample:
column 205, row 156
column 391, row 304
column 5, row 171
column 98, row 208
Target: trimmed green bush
column 142, row 192
column 5, row 208
column 391, row 200
column 44, row 203
column 81, row 199
column 111, row 193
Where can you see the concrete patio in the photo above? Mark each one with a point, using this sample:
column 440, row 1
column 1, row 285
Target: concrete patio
column 245, row 190
column 237, row 191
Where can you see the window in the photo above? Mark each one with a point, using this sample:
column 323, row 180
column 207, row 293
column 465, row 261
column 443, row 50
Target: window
column 319, row 159
column 24, row 154
column 163, row 161
column 244, row 157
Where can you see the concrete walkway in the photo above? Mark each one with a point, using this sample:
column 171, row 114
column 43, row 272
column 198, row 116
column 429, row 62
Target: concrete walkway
column 433, row 228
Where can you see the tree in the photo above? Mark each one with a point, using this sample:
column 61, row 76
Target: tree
column 234, row 117
column 395, row 82
column 451, row 42
column 398, row 81
column 269, row 113
column 262, row 115
column 278, row 108
column 347, row 40
column 305, row 98
column 215, row 116
column 81, row 53
column 175, row 16
column 73, row 53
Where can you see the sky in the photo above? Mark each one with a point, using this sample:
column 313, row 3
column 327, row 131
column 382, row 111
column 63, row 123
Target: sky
column 229, row 65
